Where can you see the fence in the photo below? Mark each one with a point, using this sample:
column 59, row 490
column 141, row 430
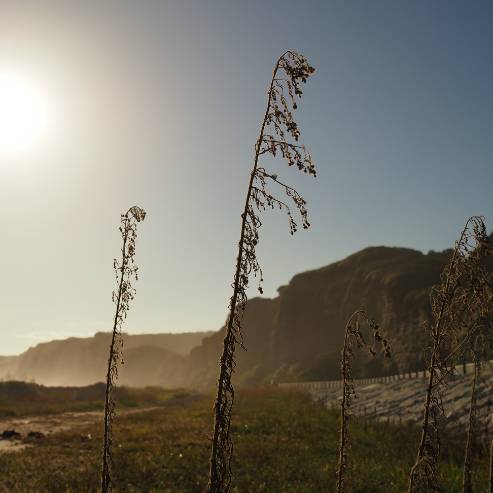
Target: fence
column 335, row 384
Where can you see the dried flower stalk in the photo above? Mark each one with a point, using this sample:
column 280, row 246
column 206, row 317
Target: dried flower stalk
column 472, row 424
column 353, row 336
column 125, row 272
column 491, row 467
column 463, row 296
column 279, row 135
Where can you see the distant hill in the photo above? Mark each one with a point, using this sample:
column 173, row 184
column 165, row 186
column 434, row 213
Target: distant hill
column 149, row 359
column 298, row 335
column 295, row 336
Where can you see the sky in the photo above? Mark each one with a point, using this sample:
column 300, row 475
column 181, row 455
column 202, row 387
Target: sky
column 158, row 104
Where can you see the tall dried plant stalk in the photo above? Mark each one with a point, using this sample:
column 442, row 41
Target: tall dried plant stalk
column 472, row 424
column 126, row 271
column 353, row 336
column 279, row 135
column 463, row 296
column 491, row 466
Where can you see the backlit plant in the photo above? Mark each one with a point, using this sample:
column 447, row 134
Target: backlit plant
column 126, row 271
column 279, row 136
column 353, row 338
column 478, row 350
column 463, row 296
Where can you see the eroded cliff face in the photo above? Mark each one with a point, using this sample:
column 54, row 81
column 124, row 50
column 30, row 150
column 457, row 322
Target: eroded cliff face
column 298, row 335
column 295, row 336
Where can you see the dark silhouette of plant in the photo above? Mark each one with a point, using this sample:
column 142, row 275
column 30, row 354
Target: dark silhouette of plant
column 477, row 351
column 279, row 134
column 463, row 296
column 125, row 272
column 491, row 466
column 353, row 336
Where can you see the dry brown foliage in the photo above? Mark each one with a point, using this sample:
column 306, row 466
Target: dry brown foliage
column 279, row 135
column 472, row 436
column 126, row 271
column 354, row 338
column 459, row 303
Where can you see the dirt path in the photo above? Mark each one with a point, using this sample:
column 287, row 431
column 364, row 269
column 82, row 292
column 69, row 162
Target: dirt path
column 52, row 423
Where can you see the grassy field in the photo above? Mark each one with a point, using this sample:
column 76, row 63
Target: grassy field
column 283, row 443
column 22, row 399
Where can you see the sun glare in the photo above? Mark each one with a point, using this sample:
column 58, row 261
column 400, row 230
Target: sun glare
column 23, row 114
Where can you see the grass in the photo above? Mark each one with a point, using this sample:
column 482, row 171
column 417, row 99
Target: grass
column 21, row 399
column 283, row 443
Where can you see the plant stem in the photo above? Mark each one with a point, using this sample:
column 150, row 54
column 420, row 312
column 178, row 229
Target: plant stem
column 219, row 468
column 467, row 479
column 342, row 433
column 106, row 476
column 491, row 466
column 437, row 339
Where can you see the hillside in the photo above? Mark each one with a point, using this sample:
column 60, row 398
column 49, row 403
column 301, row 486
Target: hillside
column 150, row 359
column 298, row 335
column 294, row 336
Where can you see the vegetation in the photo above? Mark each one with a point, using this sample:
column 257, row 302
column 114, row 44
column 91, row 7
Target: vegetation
column 472, row 428
column 125, row 272
column 284, row 440
column 22, row 399
column 279, row 134
column 460, row 303
column 284, row 443
column 353, row 338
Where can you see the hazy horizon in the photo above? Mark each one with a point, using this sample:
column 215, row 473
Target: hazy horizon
column 59, row 336
column 158, row 104
column 49, row 336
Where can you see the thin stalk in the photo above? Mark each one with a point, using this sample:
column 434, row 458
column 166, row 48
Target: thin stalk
column 429, row 389
column 343, row 430
column 437, row 339
column 105, row 476
column 459, row 303
column 125, row 272
column 215, row 473
column 491, row 466
column 353, row 336
column 290, row 71
column 471, row 429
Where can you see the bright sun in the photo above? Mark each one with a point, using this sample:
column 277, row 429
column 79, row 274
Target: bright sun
column 23, row 114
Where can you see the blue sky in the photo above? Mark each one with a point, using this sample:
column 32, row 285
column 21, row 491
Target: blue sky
column 159, row 104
